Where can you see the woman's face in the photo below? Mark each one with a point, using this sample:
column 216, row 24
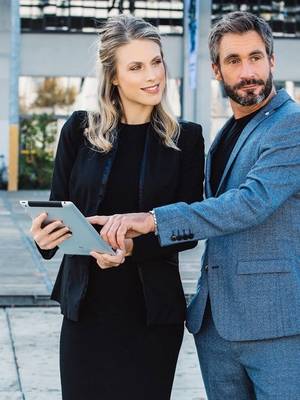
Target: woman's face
column 140, row 73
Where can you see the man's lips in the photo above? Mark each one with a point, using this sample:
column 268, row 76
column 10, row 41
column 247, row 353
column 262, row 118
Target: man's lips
column 249, row 86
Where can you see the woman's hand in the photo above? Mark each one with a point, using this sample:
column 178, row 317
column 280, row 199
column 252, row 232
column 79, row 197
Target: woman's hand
column 106, row 261
column 51, row 235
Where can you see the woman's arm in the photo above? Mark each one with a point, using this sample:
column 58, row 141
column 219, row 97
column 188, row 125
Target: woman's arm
column 190, row 189
column 69, row 141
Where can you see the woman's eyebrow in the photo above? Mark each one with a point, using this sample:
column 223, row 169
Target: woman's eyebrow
column 141, row 62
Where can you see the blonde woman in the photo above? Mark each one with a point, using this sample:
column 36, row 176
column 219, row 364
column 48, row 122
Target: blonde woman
column 123, row 315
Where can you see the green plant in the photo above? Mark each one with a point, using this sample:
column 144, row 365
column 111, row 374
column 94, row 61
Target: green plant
column 37, row 138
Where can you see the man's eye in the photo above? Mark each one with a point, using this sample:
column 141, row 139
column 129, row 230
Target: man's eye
column 157, row 62
column 233, row 61
column 255, row 58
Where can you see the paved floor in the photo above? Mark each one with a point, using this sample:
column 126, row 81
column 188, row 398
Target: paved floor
column 29, row 331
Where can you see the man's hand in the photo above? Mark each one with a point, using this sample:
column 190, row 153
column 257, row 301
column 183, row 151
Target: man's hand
column 120, row 226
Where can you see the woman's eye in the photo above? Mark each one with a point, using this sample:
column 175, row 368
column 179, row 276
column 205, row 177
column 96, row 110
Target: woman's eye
column 135, row 68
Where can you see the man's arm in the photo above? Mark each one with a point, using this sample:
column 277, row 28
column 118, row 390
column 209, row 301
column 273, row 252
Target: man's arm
column 272, row 180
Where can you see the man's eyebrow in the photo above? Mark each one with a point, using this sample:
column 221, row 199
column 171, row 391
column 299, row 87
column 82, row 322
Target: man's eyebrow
column 141, row 62
column 234, row 55
column 256, row 52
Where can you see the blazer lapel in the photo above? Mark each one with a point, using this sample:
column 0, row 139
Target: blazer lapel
column 106, row 169
column 158, row 173
column 208, row 191
column 143, row 171
column 280, row 98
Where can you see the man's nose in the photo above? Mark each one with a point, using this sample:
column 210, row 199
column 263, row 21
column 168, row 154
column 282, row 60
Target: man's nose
column 247, row 70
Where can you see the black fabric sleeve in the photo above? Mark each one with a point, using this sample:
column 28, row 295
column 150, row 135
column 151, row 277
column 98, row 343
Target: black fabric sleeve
column 69, row 141
column 190, row 189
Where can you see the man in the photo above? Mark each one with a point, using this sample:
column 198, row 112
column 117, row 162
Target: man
column 246, row 313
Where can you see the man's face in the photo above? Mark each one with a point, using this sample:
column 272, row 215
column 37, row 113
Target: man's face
column 244, row 68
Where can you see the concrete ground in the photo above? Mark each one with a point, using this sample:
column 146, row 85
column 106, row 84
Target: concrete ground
column 30, row 322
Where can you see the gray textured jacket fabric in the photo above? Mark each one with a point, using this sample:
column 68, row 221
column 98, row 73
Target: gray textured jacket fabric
column 251, row 265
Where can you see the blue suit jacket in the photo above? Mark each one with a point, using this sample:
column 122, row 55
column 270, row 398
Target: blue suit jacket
column 251, row 265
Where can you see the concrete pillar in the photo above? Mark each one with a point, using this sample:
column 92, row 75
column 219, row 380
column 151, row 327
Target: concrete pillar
column 13, row 160
column 5, row 36
column 197, row 102
column 9, row 78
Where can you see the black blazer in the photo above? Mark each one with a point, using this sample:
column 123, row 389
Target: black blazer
column 167, row 176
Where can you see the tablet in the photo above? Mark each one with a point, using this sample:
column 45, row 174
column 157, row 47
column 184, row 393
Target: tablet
column 84, row 237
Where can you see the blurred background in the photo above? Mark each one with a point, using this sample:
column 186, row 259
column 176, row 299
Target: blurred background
column 47, row 68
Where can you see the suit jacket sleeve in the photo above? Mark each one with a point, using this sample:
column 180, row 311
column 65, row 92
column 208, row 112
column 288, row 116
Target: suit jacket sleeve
column 190, row 189
column 67, row 148
column 272, row 180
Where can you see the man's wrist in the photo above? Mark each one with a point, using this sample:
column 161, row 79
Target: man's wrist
column 154, row 220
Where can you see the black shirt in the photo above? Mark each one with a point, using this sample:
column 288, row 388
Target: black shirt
column 221, row 154
column 118, row 291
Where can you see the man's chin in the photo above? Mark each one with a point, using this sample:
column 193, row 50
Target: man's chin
column 250, row 100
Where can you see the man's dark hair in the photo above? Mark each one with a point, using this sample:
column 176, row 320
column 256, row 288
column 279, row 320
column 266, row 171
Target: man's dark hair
column 239, row 22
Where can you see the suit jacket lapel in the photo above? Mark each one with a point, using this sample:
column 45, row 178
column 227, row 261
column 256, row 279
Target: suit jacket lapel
column 239, row 144
column 266, row 111
column 208, row 191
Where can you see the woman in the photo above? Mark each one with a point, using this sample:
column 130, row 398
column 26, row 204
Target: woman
column 123, row 327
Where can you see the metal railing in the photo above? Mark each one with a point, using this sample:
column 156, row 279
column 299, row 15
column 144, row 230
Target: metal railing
column 86, row 15
column 283, row 16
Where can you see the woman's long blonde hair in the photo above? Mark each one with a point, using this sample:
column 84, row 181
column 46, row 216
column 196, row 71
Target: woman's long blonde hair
column 117, row 32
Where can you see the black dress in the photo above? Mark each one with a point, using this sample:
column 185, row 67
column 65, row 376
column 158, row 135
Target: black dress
column 111, row 353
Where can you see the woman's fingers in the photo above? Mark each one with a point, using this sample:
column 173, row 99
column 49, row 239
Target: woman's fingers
column 37, row 222
column 56, row 242
column 51, row 240
column 107, row 261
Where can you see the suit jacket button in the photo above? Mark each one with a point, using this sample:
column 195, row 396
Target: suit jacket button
column 185, row 237
column 179, row 237
column 191, row 235
column 173, row 237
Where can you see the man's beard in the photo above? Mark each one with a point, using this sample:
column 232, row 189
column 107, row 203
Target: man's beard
column 250, row 98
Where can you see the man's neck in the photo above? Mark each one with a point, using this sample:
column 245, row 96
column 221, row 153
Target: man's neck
column 240, row 111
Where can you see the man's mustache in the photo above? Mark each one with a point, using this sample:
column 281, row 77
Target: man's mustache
column 246, row 82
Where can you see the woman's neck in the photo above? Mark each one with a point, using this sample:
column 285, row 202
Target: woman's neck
column 136, row 115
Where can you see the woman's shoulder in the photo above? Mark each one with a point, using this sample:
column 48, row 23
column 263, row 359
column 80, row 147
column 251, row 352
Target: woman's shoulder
column 190, row 132
column 78, row 119
column 75, row 125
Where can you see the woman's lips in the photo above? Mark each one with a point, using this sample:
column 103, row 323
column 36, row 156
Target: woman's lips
column 151, row 89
